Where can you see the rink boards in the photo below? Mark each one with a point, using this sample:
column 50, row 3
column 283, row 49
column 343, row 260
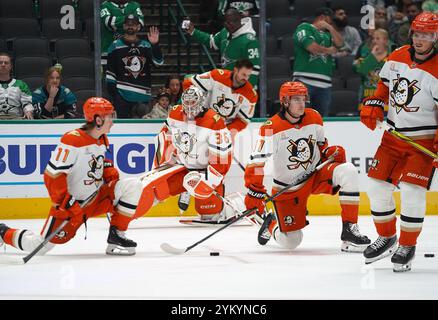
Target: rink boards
column 26, row 146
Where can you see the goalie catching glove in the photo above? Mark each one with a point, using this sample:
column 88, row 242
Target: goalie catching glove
column 372, row 110
column 201, row 185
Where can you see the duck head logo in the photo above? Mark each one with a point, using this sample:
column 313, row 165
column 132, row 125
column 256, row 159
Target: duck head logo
column 96, row 170
column 402, row 93
column 225, row 106
column 134, row 65
column 301, row 152
column 185, row 143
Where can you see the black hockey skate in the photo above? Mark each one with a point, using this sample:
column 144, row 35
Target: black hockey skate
column 402, row 258
column 3, row 229
column 352, row 239
column 264, row 235
column 379, row 249
column 118, row 244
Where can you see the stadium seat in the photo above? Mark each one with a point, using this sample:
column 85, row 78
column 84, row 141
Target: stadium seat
column 345, row 66
column 273, row 87
column 82, row 96
column 89, row 28
column 277, row 8
column 31, row 47
column 33, row 82
column 17, row 9
column 353, row 83
column 338, row 83
column 72, row 48
column 344, row 103
column 11, row 28
column 281, row 26
column 3, row 46
column 278, row 66
column 31, row 66
column 52, row 30
column 306, row 8
column 79, row 83
column 287, row 46
column 271, row 45
column 352, row 7
column 52, row 9
column 77, row 67
column 86, row 9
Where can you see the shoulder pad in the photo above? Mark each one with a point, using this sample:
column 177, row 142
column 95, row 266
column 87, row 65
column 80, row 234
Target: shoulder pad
column 267, row 122
column 216, row 117
column 74, row 133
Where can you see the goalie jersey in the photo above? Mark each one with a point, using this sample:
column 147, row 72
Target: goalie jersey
column 412, row 89
column 235, row 105
column 195, row 143
column 295, row 149
column 81, row 158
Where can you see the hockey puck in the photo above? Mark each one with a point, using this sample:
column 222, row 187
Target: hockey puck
column 214, row 253
column 429, row 255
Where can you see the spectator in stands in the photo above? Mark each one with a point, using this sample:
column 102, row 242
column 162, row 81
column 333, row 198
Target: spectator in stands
column 128, row 74
column 413, row 10
column 430, row 6
column 161, row 108
column 52, row 100
column 112, row 16
column 350, row 35
column 15, row 95
column 370, row 60
column 236, row 41
column 315, row 43
column 174, row 88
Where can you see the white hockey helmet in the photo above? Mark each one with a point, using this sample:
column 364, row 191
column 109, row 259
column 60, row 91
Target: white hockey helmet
column 192, row 100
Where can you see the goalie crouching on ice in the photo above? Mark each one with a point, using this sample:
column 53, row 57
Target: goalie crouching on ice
column 194, row 152
column 82, row 184
column 295, row 139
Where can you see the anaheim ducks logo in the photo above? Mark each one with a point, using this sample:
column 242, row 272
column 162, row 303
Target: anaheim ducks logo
column 185, row 142
column 96, row 170
column 134, row 65
column 225, row 106
column 301, row 152
column 402, row 93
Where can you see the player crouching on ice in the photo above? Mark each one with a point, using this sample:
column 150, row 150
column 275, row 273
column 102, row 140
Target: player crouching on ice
column 295, row 139
column 82, row 184
column 194, row 152
column 408, row 81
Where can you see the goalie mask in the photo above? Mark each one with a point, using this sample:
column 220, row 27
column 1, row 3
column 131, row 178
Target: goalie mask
column 192, row 101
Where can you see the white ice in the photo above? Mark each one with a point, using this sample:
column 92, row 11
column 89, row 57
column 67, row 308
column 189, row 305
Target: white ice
column 244, row 269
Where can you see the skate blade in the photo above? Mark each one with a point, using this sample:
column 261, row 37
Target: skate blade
column 402, row 267
column 352, row 247
column 389, row 252
column 116, row 250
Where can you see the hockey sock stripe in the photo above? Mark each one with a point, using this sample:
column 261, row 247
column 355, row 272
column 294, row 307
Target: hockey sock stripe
column 20, row 237
column 382, row 214
column 411, row 219
column 127, row 205
column 351, row 194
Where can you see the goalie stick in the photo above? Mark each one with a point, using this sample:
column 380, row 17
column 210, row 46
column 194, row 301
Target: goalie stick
column 172, row 250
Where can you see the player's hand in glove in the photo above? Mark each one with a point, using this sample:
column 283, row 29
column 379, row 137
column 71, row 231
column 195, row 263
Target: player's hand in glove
column 372, row 111
column 110, row 173
column 202, row 185
column 255, row 199
column 68, row 208
column 337, row 151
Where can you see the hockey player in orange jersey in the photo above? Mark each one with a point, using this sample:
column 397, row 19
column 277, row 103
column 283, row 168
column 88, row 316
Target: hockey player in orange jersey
column 193, row 154
column 82, row 184
column 409, row 83
column 295, row 139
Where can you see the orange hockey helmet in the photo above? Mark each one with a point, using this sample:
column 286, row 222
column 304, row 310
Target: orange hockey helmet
column 96, row 106
column 290, row 88
column 425, row 22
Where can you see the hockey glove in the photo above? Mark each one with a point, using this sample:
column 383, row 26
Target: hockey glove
column 255, row 199
column 200, row 185
column 372, row 110
column 68, row 208
column 337, row 151
column 110, row 173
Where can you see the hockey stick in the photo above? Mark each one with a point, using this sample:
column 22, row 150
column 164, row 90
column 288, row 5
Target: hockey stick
column 172, row 250
column 407, row 140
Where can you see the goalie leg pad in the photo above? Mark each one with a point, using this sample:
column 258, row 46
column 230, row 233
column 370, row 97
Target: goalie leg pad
column 211, row 205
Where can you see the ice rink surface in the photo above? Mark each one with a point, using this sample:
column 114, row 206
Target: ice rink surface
column 318, row 269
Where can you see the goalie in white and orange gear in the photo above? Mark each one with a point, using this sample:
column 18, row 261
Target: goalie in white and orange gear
column 295, row 139
column 83, row 184
column 194, row 152
column 409, row 85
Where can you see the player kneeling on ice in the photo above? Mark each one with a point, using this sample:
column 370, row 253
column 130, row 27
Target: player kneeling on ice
column 295, row 139
column 194, row 152
column 409, row 84
column 82, row 184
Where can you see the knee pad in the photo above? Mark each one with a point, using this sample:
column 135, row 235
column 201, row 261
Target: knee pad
column 289, row 240
column 413, row 200
column 346, row 176
column 127, row 195
column 29, row 241
column 380, row 195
